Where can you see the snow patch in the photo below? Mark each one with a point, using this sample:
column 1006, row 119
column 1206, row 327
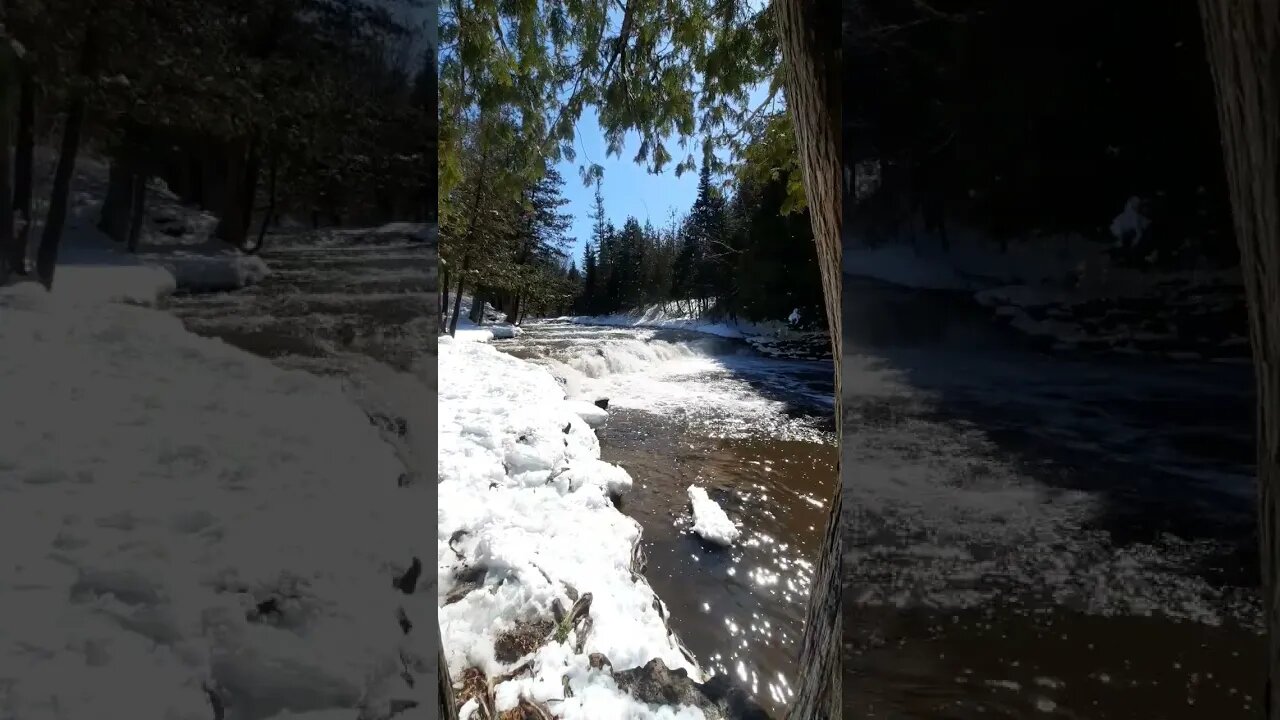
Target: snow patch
column 1129, row 227
column 154, row 564
column 709, row 520
column 594, row 415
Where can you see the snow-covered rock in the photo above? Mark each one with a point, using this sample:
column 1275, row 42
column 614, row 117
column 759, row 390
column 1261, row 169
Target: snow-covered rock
column 709, row 520
column 593, row 414
column 504, row 331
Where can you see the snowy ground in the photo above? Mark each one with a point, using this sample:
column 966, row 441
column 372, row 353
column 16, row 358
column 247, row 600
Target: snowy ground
column 149, row 570
column 779, row 338
column 220, row 537
column 495, row 325
column 526, row 530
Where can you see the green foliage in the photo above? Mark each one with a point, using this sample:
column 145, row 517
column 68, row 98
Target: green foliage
column 657, row 68
column 328, row 87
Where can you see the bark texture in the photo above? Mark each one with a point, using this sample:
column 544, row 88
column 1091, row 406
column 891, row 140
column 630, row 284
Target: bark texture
column 809, row 31
column 7, row 239
column 1242, row 39
column 447, row 707
column 47, row 254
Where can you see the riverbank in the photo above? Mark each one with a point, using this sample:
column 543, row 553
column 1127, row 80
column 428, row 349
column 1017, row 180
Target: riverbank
column 1067, row 295
column 527, row 536
column 1010, row 500
column 756, row 434
column 148, row 568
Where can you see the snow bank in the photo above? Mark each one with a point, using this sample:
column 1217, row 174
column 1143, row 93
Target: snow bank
column 494, row 329
column 709, row 520
column 216, row 526
column 525, row 527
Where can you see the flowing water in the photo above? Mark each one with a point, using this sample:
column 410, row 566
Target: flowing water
column 355, row 305
column 757, row 434
column 333, row 299
column 1033, row 535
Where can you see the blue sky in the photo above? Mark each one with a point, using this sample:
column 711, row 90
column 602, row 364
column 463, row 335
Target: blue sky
column 628, row 187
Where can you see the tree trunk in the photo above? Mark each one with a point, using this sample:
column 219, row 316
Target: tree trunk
column 253, row 164
column 7, row 239
column 810, row 39
column 444, row 290
column 515, row 310
column 24, row 171
column 477, row 306
column 47, row 255
column 457, row 297
column 448, row 706
column 212, row 162
column 271, row 203
column 138, row 210
column 113, row 220
column 233, row 222
column 1242, row 40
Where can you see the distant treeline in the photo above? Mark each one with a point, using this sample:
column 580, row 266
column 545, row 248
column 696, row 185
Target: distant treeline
column 1016, row 118
column 737, row 257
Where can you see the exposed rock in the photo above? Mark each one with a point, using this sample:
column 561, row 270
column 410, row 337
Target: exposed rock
column 656, row 684
column 598, row 661
column 521, row 640
column 387, row 423
column 720, row 698
column 602, row 403
column 733, row 698
column 408, row 582
column 469, row 579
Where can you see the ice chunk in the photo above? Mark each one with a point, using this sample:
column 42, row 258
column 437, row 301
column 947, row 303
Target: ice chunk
column 709, row 520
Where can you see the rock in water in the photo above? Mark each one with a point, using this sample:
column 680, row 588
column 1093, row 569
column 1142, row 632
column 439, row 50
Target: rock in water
column 505, row 332
column 657, row 685
column 603, row 403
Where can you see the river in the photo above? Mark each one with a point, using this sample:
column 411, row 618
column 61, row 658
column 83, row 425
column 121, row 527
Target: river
column 757, row 433
column 355, row 305
column 1032, row 535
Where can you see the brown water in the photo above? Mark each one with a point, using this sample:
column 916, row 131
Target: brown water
column 1033, row 535
column 755, row 432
